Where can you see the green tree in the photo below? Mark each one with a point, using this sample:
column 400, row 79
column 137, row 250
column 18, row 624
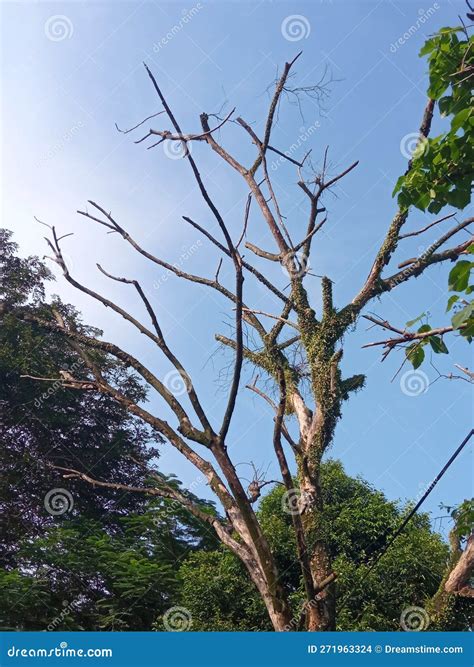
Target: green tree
column 440, row 175
column 219, row 595
column 109, row 560
column 53, row 424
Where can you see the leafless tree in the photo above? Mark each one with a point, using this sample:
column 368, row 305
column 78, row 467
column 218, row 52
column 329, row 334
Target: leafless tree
column 318, row 336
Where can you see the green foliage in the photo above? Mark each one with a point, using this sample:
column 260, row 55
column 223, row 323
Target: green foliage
column 217, row 591
column 21, row 279
column 111, row 562
column 463, row 517
column 415, row 352
column 462, row 319
column 463, row 307
column 408, row 574
column 219, row 594
column 23, row 598
column 442, row 167
column 107, row 580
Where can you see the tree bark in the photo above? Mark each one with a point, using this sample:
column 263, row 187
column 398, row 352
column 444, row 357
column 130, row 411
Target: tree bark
column 458, row 581
column 321, row 610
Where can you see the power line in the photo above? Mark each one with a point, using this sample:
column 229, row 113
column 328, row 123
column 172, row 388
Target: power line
column 403, row 525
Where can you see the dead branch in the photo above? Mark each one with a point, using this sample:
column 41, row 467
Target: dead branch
column 131, row 129
column 424, row 229
column 166, row 135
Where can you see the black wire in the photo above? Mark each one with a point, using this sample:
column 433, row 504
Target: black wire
column 401, row 528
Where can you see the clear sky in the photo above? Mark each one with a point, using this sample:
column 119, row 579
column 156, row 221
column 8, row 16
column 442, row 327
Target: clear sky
column 73, row 69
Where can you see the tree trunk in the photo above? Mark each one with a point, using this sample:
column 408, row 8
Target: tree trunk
column 326, row 382
column 274, row 597
column 459, row 580
column 321, row 611
column 257, row 556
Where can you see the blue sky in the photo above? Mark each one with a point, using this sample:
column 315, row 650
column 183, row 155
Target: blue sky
column 73, row 69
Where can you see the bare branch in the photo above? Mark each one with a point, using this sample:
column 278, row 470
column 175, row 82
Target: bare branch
column 271, row 112
column 154, row 115
column 245, row 264
column 258, row 143
column 166, row 135
column 167, row 352
column 246, row 220
column 424, row 229
column 274, row 317
column 169, row 267
column 469, row 373
column 262, row 253
column 253, row 387
column 411, row 336
column 109, row 348
column 222, row 528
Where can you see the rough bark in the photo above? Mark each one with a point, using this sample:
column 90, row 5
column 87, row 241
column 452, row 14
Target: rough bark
column 459, row 580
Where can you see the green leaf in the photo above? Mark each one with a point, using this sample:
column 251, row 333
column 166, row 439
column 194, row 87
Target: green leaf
column 459, row 276
column 424, row 328
column 462, row 316
column 422, row 201
column 445, row 105
column 428, row 46
column 417, row 319
column 459, row 197
column 451, row 301
column 468, row 330
column 438, row 345
column 415, row 354
column 437, row 88
column 459, row 119
column 398, row 184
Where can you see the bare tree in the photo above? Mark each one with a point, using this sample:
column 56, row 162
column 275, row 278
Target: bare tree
column 318, row 337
